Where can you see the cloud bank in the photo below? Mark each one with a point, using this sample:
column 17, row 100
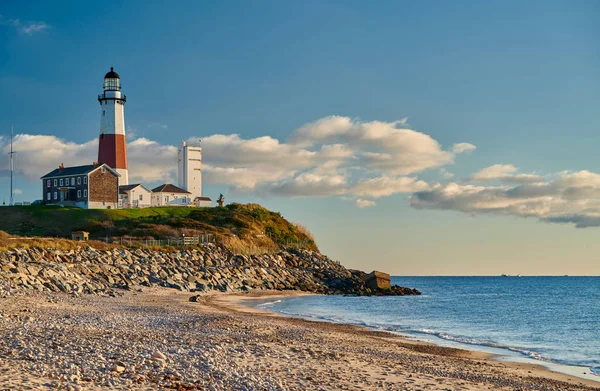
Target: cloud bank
column 569, row 197
column 347, row 158
column 333, row 156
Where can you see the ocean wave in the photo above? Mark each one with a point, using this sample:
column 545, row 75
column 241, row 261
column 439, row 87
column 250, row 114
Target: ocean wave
column 479, row 342
column 269, row 303
column 402, row 329
column 399, row 329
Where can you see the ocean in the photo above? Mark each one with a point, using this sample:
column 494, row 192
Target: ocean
column 553, row 321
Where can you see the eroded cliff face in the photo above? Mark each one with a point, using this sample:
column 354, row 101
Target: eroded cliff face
column 206, row 268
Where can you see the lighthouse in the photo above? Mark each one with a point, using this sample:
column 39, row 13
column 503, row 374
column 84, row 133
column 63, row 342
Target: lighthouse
column 112, row 148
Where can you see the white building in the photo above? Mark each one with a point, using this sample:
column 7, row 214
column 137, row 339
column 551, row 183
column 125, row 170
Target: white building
column 170, row 195
column 202, row 202
column 134, row 196
column 189, row 170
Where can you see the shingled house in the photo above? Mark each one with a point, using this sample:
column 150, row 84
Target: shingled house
column 95, row 186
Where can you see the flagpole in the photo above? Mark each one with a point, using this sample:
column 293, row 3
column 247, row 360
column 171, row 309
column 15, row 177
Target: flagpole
column 12, row 201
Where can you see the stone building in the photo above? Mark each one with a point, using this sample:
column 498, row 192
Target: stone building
column 95, row 186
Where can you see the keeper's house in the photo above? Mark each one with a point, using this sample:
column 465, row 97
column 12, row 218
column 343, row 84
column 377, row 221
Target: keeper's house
column 95, row 186
column 170, row 195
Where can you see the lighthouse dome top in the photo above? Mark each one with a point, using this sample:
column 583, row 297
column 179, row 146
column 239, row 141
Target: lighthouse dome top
column 112, row 81
column 112, row 74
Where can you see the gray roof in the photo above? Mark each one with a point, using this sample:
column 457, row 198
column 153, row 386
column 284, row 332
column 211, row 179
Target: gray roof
column 76, row 170
column 128, row 187
column 169, row 188
column 124, row 188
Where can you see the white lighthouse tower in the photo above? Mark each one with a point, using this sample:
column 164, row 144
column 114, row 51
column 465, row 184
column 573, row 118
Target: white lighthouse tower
column 112, row 148
column 189, row 170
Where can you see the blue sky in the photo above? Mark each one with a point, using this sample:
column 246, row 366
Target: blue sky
column 517, row 80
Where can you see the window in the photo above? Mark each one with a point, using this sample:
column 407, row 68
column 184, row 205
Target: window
column 141, row 197
column 61, row 182
column 78, row 193
column 48, row 195
column 55, row 183
column 112, row 84
column 85, row 180
column 84, row 193
column 72, row 181
column 55, row 195
column 48, row 183
column 79, row 180
column 103, row 112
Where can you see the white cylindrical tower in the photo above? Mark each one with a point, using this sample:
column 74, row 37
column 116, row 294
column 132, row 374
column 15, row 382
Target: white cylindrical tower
column 112, row 148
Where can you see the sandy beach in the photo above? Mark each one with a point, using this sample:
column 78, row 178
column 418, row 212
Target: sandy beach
column 156, row 339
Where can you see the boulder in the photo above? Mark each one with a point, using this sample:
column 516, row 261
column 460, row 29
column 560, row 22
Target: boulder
column 377, row 280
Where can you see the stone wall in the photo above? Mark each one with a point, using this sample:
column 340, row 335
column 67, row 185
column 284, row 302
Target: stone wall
column 206, row 268
column 104, row 187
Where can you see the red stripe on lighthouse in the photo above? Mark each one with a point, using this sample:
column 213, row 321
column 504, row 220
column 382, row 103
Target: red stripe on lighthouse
column 112, row 150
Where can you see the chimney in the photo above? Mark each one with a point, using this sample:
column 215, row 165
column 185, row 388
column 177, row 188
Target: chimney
column 96, row 164
column 61, row 167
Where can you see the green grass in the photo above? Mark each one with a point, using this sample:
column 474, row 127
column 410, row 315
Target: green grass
column 244, row 226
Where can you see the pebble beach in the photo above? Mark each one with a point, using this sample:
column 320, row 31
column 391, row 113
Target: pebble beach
column 156, row 339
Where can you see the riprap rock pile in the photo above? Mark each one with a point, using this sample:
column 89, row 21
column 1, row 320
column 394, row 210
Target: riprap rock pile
column 205, row 268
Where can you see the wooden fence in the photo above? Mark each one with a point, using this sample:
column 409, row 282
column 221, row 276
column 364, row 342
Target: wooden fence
column 182, row 241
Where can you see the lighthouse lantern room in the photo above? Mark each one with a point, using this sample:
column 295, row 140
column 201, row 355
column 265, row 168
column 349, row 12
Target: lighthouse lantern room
column 112, row 148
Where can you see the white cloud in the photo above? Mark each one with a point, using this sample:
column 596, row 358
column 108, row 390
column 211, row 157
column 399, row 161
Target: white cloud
column 463, row 147
column 382, row 146
column 504, row 173
column 26, row 28
column 307, row 185
column 17, row 191
column 385, row 186
column 150, row 161
column 360, row 203
column 569, row 197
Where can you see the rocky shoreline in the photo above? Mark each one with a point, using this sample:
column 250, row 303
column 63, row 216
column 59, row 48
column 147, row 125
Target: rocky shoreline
column 202, row 269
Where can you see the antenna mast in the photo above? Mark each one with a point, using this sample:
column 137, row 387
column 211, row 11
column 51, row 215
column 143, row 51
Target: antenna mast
column 12, row 167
